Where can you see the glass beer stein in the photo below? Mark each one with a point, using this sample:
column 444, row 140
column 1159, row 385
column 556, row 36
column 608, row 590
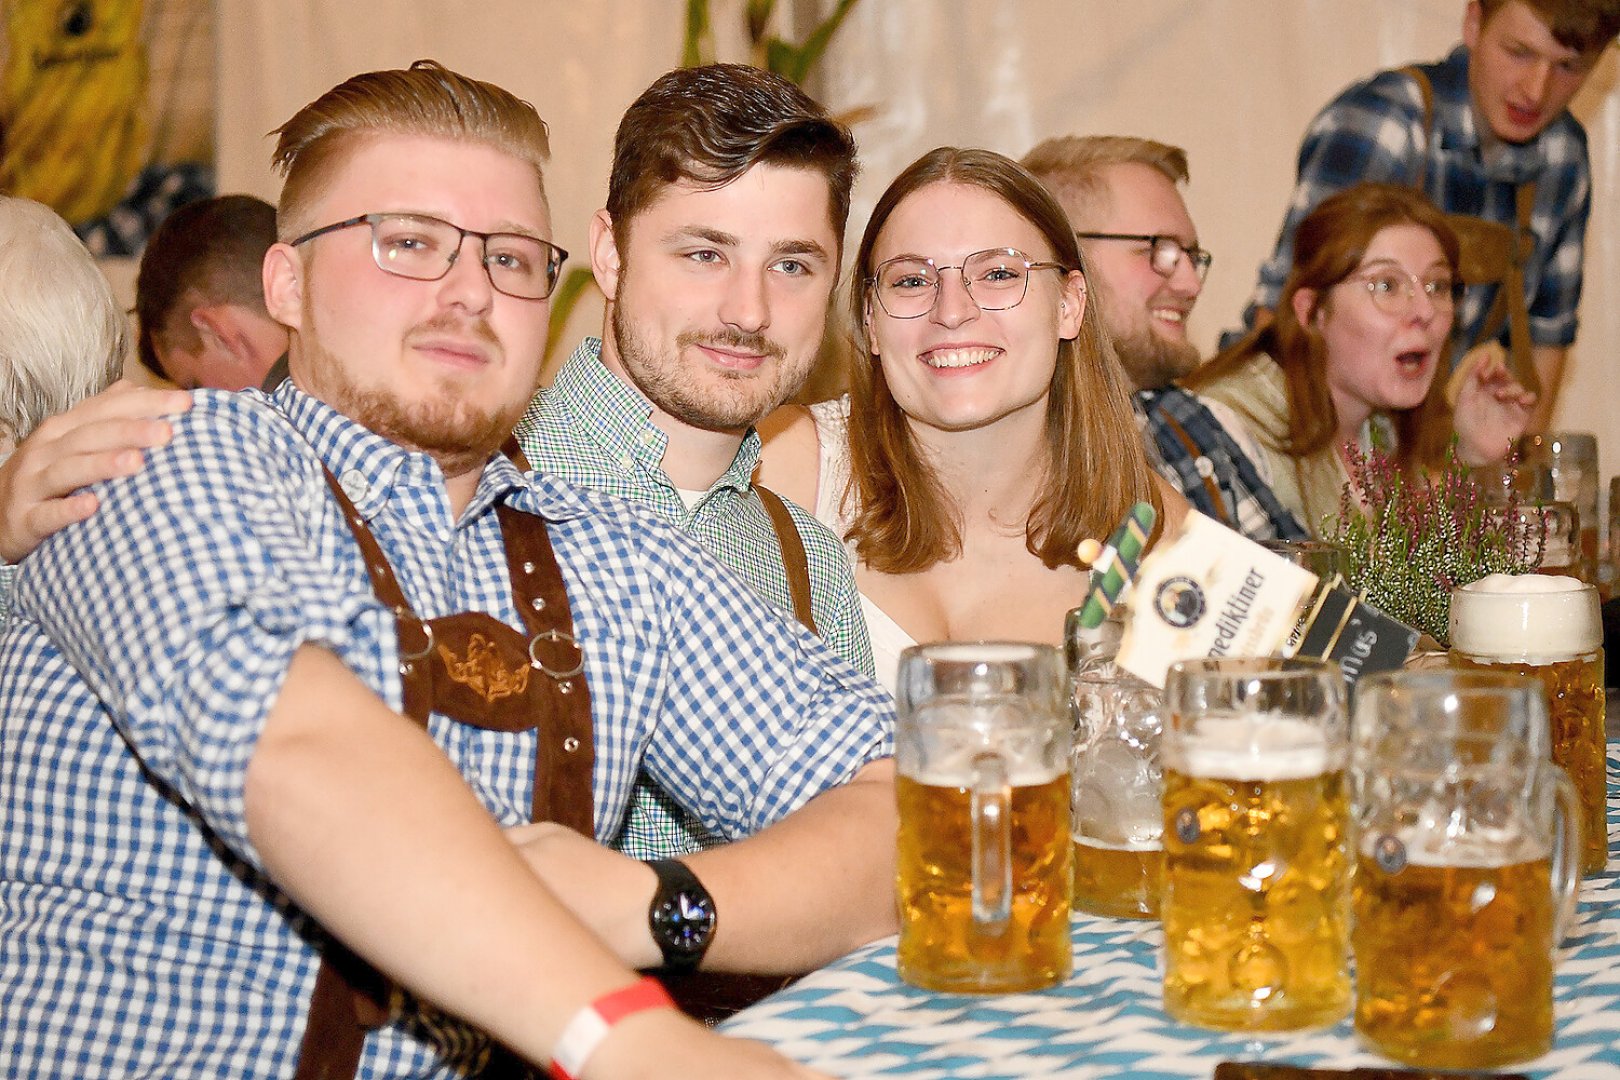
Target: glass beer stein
column 985, row 874
column 1551, row 629
column 1465, row 877
column 1256, row 880
column 1118, row 857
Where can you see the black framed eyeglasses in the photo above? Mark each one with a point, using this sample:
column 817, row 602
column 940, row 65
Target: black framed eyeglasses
column 1164, row 251
column 424, row 248
column 996, row 279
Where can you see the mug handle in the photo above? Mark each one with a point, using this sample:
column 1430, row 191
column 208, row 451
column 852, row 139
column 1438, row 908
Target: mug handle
column 991, row 811
column 1566, row 853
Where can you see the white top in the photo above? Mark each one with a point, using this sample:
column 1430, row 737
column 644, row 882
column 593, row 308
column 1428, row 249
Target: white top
column 832, row 435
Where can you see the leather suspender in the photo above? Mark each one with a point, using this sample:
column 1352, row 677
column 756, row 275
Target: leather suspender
column 476, row 670
column 794, row 560
column 1493, row 252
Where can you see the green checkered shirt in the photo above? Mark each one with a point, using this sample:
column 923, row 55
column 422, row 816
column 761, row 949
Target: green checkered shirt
column 593, row 429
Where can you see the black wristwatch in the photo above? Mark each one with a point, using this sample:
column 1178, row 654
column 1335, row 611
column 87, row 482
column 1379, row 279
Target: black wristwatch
column 682, row 917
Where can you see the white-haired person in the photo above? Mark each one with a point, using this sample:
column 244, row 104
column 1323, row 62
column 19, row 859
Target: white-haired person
column 62, row 335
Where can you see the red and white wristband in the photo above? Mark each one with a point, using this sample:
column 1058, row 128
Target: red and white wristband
column 585, row 1032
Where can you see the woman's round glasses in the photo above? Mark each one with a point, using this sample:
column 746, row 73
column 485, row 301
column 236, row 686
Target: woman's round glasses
column 424, row 248
column 995, row 279
column 1394, row 290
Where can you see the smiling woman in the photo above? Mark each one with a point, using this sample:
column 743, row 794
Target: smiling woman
column 988, row 429
column 1362, row 329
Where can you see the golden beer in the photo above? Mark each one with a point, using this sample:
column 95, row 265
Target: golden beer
column 942, row 947
column 1256, row 897
column 1454, row 964
column 1575, row 705
column 1120, row 880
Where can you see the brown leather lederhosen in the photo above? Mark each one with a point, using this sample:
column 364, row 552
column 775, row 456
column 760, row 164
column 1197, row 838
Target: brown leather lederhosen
column 1492, row 253
column 476, row 670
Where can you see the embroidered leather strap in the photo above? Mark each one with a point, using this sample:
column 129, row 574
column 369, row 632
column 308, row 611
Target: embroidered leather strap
column 794, row 560
column 478, row 671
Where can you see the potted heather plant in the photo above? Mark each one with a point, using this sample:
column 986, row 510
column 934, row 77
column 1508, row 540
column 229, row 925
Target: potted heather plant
column 1410, row 541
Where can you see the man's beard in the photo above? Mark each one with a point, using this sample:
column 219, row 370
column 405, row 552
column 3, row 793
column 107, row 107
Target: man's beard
column 443, row 425
column 742, row 399
column 1151, row 361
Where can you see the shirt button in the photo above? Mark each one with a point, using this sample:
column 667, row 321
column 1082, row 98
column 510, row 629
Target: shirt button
column 626, row 460
column 1204, row 467
column 354, row 484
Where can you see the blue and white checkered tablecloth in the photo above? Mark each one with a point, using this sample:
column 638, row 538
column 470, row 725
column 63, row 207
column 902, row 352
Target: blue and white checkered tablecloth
column 855, row 1018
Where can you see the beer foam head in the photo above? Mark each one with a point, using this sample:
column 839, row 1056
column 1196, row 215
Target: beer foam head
column 1528, row 618
column 1256, row 747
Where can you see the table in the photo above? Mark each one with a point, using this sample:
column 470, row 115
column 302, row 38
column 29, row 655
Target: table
column 854, row 1018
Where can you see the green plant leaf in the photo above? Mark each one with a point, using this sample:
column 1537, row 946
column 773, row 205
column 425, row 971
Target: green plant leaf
column 574, row 285
column 699, row 34
column 758, row 15
column 816, row 44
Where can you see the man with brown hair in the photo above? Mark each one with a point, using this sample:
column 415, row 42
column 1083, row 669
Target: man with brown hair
column 199, row 298
column 350, row 641
column 1488, row 135
column 717, row 251
column 1146, row 268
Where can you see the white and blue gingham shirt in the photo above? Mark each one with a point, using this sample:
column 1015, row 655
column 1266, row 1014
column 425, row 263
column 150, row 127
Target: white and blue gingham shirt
column 1374, row 131
column 139, row 936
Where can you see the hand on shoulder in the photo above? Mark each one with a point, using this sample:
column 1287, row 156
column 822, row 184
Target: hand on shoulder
column 98, row 439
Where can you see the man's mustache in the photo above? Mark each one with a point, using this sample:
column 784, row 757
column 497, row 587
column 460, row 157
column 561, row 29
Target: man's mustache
column 733, row 339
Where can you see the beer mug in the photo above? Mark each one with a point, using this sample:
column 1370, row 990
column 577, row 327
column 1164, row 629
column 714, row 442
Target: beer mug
column 1256, row 878
column 1327, row 560
column 1117, row 822
column 1549, row 628
column 985, row 875
column 1570, row 461
column 1465, row 877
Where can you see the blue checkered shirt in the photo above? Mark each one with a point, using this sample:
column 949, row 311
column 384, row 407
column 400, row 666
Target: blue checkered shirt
column 139, row 934
column 593, row 429
column 1374, row 131
column 1199, row 457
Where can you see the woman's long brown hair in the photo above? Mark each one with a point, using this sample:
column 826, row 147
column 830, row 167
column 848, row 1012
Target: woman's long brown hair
column 1093, row 469
column 1328, row 247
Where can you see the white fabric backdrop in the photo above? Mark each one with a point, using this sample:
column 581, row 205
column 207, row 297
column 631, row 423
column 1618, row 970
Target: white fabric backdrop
column 1232, row 81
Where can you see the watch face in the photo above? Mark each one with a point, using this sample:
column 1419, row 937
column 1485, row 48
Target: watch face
column 684, row 922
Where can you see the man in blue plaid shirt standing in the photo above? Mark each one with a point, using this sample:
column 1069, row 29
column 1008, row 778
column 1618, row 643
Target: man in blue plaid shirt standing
column 1496, row 121
column 264, row 714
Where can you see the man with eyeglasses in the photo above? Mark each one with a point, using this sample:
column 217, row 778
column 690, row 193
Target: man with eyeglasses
column 1487, row 134
column 264, row 714
column 718, row 251
column 1146, row 269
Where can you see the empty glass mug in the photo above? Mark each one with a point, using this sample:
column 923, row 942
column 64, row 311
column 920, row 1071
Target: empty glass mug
column 1118, row 781
column 1465, row 868
column 1256, row 897
column 1570, row 460
column 1551, row 629
column 985, row 874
